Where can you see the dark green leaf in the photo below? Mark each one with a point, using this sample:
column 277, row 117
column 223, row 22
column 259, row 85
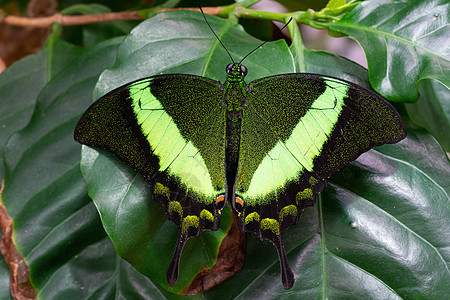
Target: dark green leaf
column 401, row 187
column 432, row 111
column 56, row 226
column 98, row 32
column 181, row 42
column 404, row 41
column 18, row 102
column 98, row 273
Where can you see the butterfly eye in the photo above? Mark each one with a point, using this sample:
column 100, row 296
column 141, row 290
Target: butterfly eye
column 243, row 70
column 230, row 68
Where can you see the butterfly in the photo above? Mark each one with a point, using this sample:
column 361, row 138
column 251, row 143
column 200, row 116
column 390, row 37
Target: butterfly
column 266, row 147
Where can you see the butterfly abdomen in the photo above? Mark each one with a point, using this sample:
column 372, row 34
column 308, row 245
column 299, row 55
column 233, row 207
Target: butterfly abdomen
column 232, row 99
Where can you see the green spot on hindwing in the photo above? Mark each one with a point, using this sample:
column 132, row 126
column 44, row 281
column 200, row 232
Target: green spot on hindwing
column 313, row 181
column 176, row 207
column 162, row 190
column 252, row 217
column 303, row 195
column 288, row 210
column 270, row 224
column 189, row 221
column 207, row 215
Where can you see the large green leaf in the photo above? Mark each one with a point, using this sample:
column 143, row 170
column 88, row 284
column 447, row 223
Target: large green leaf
column 56, row 226
column 181, row 42
column 18, row 102
column 404, row 42
column 18, row 106
column 353, row 244
column 432, row 111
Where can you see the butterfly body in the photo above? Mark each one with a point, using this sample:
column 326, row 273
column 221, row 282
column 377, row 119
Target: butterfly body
column 235, row 98
column 266, row 147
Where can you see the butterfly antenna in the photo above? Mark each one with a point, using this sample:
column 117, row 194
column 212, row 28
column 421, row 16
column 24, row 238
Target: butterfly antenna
column 285, row 25
column 215, row 34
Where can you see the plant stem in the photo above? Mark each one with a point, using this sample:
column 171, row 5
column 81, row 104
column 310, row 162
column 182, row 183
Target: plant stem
column 319, row 20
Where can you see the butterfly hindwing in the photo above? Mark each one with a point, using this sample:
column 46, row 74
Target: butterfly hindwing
column 297, row 130
column 170, row 129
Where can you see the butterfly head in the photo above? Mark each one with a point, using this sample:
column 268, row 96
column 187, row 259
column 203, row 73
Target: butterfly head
column 236, row 71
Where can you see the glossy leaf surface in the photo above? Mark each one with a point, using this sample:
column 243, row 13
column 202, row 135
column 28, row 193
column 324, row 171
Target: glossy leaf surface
column 353, row 244
column 432, row 111
column 404, row 42
column 18, row 105
column 44, row 191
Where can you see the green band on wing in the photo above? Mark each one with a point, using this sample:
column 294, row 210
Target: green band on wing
column 313, row 130
column 180, row 158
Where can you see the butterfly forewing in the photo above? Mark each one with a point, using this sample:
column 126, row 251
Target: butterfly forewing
column 297, row 130
column 186, row 130
column 171, row 129
column 314, row 117
column 367, row 120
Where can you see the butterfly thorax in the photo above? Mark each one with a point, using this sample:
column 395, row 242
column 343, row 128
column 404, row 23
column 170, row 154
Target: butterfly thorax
column 235, row 87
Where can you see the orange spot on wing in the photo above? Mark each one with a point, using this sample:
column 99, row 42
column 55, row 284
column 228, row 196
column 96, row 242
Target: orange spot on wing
column 220, row 199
